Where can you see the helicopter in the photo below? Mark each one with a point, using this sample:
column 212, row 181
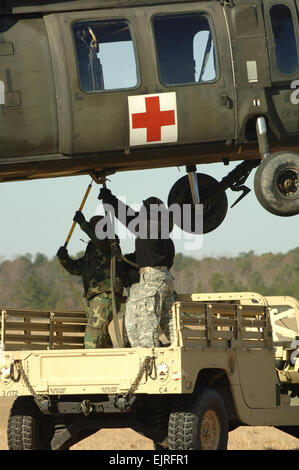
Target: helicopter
column 103, row 86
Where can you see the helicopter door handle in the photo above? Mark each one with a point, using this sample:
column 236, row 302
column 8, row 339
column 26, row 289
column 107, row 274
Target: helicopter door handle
column 227, row 101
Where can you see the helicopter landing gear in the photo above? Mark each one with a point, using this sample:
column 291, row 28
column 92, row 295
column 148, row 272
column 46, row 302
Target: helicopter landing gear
column 211, row 194
column 202, row 185
column 276, row 183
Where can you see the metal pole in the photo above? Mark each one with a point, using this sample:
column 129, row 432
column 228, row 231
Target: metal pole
column 80, row 209
column 191, row 170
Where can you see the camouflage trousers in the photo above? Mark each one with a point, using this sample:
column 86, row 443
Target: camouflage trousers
column 148, row 307
column 99, row 315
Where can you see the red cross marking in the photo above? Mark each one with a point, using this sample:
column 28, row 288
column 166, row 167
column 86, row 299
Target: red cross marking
column 153, row 119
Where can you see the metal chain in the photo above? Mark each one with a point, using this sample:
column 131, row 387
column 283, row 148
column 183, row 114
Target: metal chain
column 26, row 381
column 137, row 381
column 131, row 391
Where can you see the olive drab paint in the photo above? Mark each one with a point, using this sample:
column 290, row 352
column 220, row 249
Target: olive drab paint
column 2, row 93
column 95, row 87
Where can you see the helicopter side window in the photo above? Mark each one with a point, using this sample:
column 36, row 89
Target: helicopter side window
column 185, row 49
column 285, row 39
column 105, row 55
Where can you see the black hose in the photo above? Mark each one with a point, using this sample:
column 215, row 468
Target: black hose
column 126, row 260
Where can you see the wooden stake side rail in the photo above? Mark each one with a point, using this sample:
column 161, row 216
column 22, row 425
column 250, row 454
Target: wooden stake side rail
column 23, row 329
column 225, row 325
column 201, row 324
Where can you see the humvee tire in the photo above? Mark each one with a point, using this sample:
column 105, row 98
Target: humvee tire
column 27, row 428
column 214, row 210
column 206, row 428
column 276, row 183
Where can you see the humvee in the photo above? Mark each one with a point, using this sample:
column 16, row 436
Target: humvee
column 101, row 86
column 232, row 362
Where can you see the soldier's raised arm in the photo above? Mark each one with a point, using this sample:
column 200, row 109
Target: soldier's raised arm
column 73, row 266
column 89, row 229
column 125, row 214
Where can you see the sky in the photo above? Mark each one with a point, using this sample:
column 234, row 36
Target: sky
column 37, row 215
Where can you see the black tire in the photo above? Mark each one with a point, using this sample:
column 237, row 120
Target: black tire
column 28, row 428
column 206, row 428
column 276, row 184
column 214, row 210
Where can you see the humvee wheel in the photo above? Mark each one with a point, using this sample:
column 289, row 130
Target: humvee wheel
column 214, row 209
column 276, row 183
column 27, row 428
column 206, row 428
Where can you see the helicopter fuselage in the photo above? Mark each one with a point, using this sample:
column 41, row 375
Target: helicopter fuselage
column 192, row 77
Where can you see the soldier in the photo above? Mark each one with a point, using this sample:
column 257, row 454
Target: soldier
column 128, row 272
column 94, row 267
column 130, row 276
column 152, row 297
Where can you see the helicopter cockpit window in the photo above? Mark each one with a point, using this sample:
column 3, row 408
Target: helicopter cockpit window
column 285, row 39
column 105, row 55
column 185, row 48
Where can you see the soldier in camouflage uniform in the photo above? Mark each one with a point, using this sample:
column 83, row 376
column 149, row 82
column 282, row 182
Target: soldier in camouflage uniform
column 152, row 297
column 94, row 267
column 148, row 307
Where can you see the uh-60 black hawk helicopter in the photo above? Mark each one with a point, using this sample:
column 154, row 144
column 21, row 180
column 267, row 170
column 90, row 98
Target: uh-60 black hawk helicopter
column 100, row 86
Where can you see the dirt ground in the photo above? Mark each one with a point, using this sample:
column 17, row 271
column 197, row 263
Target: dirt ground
column 242, row 438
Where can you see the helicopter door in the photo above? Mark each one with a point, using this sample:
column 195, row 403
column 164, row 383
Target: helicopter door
column 96, row 68
column 111, row 64
column 193, row 60
column 281, row 20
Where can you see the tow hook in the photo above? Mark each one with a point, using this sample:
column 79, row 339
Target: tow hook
column 44, row 404
column 124, row 403
column 86, row 407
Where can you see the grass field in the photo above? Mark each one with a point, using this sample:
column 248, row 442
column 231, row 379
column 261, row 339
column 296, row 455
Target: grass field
column 242, row 438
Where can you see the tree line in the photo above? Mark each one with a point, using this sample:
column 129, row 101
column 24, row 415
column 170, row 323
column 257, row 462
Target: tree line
column 37, row 282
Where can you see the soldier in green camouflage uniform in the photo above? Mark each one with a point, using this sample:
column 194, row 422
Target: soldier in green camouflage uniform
column 94, row 267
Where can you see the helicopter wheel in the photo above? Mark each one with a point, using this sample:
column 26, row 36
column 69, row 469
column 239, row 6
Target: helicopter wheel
column 276, row 183
column 214, row 210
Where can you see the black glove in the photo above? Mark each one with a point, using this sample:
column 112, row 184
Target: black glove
column 62, row 253
column 79, row 218
column 104, row 194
